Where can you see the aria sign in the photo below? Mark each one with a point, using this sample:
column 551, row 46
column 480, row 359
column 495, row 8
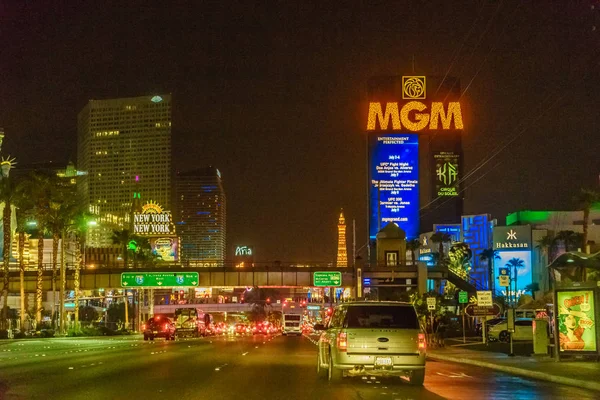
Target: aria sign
column 243, row 251
column 152, row 221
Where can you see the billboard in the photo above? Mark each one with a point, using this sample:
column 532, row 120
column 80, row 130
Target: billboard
column 446, row 166
column 524, row 270
column 165, row 248
column 451, row 229
column 394, row 182
column 512, row 237
column 576, row 320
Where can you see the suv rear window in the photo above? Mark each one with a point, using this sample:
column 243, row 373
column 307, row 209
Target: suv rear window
column 398, row 317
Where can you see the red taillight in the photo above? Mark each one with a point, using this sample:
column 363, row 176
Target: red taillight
column 342, row 341
column 422, row 343
column 144, row 327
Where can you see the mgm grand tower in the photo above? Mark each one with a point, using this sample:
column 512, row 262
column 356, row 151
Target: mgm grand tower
column 415, row 162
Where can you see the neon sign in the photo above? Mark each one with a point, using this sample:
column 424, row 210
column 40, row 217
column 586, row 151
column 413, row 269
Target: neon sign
column 414, row 117
column 153, row 220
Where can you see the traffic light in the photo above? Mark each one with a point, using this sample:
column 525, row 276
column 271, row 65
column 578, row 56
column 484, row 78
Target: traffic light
column 303, row 303
column 268, row 300
column 329, row 311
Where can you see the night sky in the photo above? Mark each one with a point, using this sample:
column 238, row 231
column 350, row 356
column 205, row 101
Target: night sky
column 274, row 96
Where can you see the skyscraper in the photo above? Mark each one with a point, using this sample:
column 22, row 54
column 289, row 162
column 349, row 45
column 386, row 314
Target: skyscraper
column 200, row 212
column 342, row 252
column 123, row 144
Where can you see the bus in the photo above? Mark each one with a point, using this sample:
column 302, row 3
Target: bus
column 292, row 324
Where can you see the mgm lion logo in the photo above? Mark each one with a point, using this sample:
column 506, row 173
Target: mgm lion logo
column 413, row 87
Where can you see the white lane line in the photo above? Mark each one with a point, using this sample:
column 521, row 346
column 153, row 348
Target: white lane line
column 245, row 353
column 219, row 368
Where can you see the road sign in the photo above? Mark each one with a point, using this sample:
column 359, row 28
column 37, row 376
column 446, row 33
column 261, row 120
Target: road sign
column 484, row 298
column 329, row 278
column 159, row 279
column 463, row 297
column 505, row 271
column 314, row 308
column 431, row 303
column 473, row 310
column 504, row 280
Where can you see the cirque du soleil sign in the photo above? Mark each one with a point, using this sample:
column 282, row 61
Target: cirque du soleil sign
column 152, row 221
column 414, row 115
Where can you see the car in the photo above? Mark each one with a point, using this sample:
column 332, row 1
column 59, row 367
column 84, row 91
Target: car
column 240, row 329
column 372, row 338
column 488, row 324
column 523, row 330
column 159, row 326
column 261, row 328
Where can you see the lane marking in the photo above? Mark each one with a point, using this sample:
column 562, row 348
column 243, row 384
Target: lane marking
column 245, row 353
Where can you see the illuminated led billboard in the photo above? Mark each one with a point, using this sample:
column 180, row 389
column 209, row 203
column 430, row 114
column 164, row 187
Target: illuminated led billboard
column 394, row 182
column 524, row 270
column 153, row 220
column 165, row 248
column 446, row 173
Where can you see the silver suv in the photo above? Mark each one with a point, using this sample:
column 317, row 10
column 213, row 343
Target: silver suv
column 372, row 338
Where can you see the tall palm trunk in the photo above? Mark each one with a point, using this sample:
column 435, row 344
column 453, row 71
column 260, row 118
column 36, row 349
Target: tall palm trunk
column 6, row 217
column 63, row 284
column 40, row 279
column 586, row 220
column 22, row 276
column 76, row 281
column 55, row 240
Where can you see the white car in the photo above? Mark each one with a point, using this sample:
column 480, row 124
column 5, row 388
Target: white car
column 523, row 330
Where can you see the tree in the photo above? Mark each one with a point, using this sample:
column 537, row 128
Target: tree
column 123, row 239
column 413, row 246
column 547, row 244
column 532, row 288
column 459, row 257
column 570, row 240
column 490, row 255
column 24, row 216
column 8, row 195
column 441, row 238
column 585, row 199
column 516, row 264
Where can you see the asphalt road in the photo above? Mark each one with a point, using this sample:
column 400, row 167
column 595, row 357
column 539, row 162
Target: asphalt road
column 228, row 368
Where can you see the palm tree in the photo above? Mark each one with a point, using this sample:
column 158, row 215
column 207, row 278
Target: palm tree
column 40, row 189
column 546, row 245
column 123, row 238
column 490, row 255
column 79, row 222
column 516, row 264
column 8, row 195
column 441, row 238
column 24, row 216
column 413, row 246
column 585, row 199
column 460, row 255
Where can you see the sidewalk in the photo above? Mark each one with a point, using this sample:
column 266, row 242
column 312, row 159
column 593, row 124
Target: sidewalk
column 584, row 374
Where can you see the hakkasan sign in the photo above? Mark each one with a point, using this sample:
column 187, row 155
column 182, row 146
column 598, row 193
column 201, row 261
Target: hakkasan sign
column 153, row 220
column 576, row 321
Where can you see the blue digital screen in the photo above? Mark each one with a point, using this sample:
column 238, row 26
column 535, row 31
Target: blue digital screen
column 452, row 230
column 394, row 183
column 524, row 274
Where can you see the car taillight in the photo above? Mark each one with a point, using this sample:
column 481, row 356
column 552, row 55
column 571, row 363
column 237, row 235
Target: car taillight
column 422, row 343
column 342, row 341
column 144, row 327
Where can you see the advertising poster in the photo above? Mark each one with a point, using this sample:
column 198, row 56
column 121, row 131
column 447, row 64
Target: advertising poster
column 165, row 248
column 576, row 320
column 446, row 174
column 519, row 261
column 394, row 183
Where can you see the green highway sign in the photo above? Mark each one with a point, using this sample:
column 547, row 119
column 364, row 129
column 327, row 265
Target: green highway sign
column 314, row 308
column 463, row 297
column 159, row 279
column 329, row 278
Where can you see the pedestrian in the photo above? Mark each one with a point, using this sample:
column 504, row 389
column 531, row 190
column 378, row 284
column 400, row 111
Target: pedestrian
column 436, row 324
column 441, row 332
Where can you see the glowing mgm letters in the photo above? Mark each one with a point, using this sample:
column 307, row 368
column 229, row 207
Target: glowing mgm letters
column 413, row 116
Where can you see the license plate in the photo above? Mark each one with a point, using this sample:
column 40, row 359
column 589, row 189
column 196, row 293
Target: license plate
column 383, row 361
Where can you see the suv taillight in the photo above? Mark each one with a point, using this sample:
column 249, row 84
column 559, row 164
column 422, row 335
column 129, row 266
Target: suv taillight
column 342, row 341
column 422, row 343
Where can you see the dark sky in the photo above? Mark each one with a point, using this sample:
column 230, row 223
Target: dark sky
column 274, row 96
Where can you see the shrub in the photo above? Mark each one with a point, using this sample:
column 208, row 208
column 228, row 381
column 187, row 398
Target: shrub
column 3, row 334
column 19, row 335
column 46, row 333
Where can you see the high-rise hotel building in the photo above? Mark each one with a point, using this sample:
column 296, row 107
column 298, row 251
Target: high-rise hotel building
column 200, row 213
column 124, row 146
